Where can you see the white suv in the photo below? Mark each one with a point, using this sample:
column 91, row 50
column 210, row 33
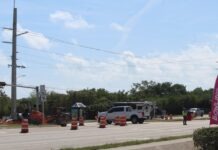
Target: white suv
column 131, row 115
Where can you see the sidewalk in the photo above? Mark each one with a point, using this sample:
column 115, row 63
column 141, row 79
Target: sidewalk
column 180, row 144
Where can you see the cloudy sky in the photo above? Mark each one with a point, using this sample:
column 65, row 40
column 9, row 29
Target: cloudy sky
column 77, row 44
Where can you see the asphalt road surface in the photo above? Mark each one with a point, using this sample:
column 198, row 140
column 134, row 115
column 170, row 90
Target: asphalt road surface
column 52, row 138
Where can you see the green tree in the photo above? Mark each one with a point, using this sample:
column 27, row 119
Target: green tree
column 5, row 104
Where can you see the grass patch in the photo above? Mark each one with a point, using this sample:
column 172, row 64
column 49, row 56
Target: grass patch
column 128, row 143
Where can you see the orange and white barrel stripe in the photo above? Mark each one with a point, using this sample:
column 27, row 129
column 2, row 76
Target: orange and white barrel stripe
column 24, row 126
column 74, row 124
column 122, row 120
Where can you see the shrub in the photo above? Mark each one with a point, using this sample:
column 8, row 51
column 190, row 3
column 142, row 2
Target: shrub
column 206, row 138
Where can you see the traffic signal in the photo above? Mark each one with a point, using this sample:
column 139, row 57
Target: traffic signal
column 2, row 84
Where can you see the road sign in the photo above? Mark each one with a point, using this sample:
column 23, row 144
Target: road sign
column 42, row 93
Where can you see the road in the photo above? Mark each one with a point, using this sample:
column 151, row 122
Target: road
column 47, row 138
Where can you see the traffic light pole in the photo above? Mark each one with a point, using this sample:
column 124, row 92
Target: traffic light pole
column 2, row 84
column 37, row 98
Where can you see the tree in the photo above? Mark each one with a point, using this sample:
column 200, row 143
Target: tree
column 5, row 104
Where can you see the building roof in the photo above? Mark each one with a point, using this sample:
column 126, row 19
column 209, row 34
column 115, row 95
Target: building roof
column 79, row 105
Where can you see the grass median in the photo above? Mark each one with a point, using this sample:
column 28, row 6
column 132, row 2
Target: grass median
column 129, row 143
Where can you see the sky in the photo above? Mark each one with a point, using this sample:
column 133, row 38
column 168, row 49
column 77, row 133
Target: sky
column 111, row 44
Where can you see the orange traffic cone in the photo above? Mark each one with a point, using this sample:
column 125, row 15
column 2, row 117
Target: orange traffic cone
column 81, row 121
column 103, row 122
column 122, row 120
column 24, row 126
column 74, row 124
column 117, row 120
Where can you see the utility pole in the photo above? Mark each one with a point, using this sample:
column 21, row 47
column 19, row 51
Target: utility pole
column 14, row 65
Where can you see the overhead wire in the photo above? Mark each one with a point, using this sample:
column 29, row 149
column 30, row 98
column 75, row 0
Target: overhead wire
column 93, row 48
column 161, row 62
column 76, row 44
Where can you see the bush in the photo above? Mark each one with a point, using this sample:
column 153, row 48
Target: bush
column 206, row 138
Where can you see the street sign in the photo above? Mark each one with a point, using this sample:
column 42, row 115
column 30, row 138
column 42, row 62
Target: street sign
column 42, row 93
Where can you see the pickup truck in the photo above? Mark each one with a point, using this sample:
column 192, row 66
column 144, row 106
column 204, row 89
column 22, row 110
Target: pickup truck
column 196, row 111
column 131, row 115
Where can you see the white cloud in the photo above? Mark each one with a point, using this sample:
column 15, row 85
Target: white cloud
column 69, row 58
column 70, row 21
column 60, row 16
column 35, row 39
column 118, row 27
column 194, row 67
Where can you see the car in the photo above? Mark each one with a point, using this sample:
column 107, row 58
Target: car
column 127, row 111
column 196, row 111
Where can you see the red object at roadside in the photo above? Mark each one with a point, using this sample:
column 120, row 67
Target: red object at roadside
column 36, row 116
column 189, row 117
column 214, row 104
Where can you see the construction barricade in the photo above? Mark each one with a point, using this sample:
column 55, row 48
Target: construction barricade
column 74, row 124
column 122, row 120
column 81, row 121
column 24, row 126
column 103, row 122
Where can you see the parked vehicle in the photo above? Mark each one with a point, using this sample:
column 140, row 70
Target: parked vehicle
column 159, row 113
column 131, row 115
column 196, row 111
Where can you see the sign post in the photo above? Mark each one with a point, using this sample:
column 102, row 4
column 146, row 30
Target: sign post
column 43, row 99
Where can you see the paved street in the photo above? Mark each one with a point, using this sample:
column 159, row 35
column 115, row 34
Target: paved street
column 61, row 137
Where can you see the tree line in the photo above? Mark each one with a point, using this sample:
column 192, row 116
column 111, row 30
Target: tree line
column 167, row 96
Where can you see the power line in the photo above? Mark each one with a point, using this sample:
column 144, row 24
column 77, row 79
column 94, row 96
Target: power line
column 93, row 48
column 75, row 44
column 162, row 62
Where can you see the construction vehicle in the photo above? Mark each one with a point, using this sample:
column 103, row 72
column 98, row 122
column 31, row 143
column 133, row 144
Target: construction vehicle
column 60, row 117
column 36, row 117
